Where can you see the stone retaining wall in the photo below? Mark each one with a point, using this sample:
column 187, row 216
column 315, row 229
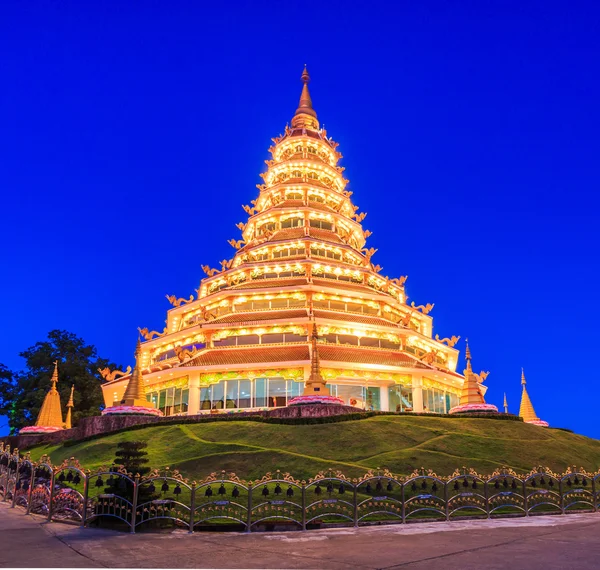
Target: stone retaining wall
column 95, row 425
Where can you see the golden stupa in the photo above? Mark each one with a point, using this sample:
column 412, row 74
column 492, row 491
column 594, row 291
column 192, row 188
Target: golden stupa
column 50, row 416
column 526, row 410
column 471, row 396
column 69, row 408
column 134, row 400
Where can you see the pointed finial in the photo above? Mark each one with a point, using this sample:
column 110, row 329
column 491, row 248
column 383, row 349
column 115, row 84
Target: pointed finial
column 305, row 116
column 468, row 356
column 523, row 377
column 70, row 402
column 305, row 76
column 54, row 379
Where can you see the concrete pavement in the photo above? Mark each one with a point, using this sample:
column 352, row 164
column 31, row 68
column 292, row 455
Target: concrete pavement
column 549, row 542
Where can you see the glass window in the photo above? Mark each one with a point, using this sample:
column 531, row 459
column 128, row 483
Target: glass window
column 289, row 337
column 205, row 398
column 271, row 338
column 260, row 391
column 352, row 395
column 177, row 401
column 247, row 339
column 348, row 339
column 373, row 398
column 277, row 393
column 218, row 394
column 231, row 397
column 245, row 394
column 294, row 388
column 185, row 398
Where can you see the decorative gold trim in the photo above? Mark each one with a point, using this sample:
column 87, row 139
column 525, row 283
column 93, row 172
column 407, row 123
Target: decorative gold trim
column 296, row 374
column 180, row 382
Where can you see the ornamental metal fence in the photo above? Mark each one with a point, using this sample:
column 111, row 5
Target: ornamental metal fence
column 222, row 501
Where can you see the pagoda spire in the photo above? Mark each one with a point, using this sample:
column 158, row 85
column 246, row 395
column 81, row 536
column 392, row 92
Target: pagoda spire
column 134, row 400
column 471, row 395
column 468, row 358
column 69, row 408
column 306, row 116
column 135, row 394
column 505, row 404
column 50, row 415
column 526, row 410
column 315, row 367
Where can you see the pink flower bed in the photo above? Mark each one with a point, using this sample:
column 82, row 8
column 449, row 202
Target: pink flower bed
column 473, row 408
column 131, row 410
column 315, row 399
column 540, row 423
column 38, row 429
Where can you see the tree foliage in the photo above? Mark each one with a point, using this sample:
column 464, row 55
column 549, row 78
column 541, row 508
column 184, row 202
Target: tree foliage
column 131, row 455
column 22, row 393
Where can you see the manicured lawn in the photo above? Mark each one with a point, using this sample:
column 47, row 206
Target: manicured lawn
column 399, row 443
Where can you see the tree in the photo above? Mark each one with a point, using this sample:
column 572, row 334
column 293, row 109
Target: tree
column 22, row 393
column 131, row 455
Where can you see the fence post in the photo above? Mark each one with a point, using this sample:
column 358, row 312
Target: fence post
column 86, row 486
column 249, row 513
column 192, row 507
column 7, row 478
column 562, row 497
column 525, row 500
column 403, row 502
column 594, row 494
column 355, row 505
column 487, row 498
column 446, row 505
column 30, row 491
column 17, row 477
column 136, row 483
column 51, row 500
column 303, row 505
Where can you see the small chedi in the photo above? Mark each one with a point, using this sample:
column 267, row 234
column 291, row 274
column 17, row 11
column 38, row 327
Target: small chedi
column 50, row 418
column 526, row 410
column 315, row 388
column 134, row 400
column 471, row 396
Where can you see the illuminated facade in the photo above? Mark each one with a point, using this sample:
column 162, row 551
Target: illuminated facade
column 244, row 342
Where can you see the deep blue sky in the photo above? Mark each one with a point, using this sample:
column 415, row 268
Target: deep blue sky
column 131, row 132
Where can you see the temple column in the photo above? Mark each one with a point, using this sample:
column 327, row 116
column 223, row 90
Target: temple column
column 417, row 392
column 194, row 393
column 384, row 399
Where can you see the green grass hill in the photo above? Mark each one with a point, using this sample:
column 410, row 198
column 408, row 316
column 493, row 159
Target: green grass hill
column 399, row 443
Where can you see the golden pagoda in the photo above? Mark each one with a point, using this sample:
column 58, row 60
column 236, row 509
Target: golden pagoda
column 69, row 408
column 50, row 416
column 472, row 394
column 526, row 410
column 244, row 341
column 134, row 400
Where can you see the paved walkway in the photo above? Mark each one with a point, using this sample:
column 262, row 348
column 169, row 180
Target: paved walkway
column 538, row 542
